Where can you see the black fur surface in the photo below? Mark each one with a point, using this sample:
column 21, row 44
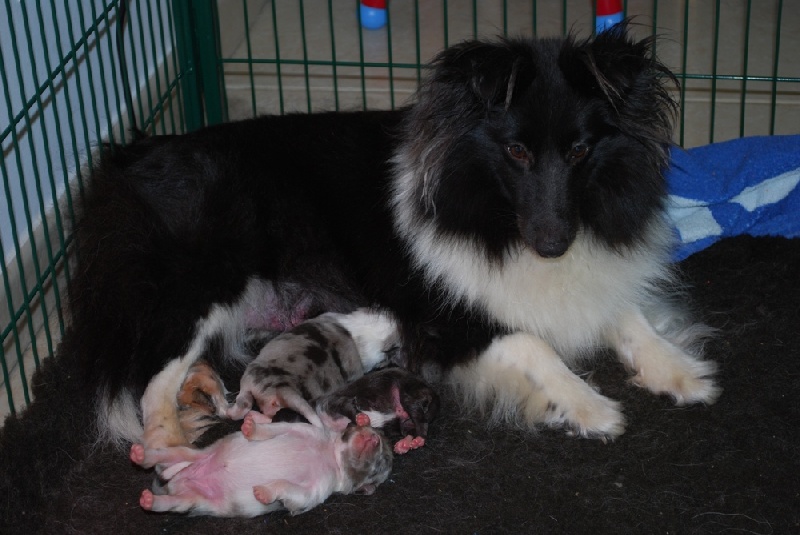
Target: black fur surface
column 173, row 224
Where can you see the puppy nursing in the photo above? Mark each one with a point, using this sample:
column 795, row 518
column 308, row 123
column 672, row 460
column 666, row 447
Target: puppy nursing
column 387, row 397
column 268, row 466
column 312, row 359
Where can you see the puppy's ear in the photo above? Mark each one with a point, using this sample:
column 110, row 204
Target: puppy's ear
column 492, row 72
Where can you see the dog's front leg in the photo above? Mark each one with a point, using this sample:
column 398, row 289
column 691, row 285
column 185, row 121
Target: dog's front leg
column 660, row 365
column 520, row 378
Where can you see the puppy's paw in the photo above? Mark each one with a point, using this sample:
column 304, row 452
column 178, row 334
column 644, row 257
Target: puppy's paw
column 362, row 419
column 404, row 445
column 146, row 500
column 137, row 454
column 248, row 426
column 263, row 494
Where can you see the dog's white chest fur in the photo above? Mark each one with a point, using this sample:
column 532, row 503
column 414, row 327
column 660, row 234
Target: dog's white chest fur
column 570, row 301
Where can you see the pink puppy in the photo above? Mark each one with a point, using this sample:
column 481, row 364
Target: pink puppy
column 266, row 467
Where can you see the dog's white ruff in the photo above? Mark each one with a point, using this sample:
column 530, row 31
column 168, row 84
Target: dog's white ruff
column 560, row 311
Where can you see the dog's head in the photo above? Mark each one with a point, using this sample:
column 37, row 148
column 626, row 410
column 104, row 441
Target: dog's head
column 533, row 141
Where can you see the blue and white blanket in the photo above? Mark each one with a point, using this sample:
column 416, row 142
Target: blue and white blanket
column 743, row 186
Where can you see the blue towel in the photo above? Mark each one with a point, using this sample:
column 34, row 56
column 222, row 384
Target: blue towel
column 743, row 186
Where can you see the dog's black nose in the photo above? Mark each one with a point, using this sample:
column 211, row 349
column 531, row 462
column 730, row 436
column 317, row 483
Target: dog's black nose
column 551, row 248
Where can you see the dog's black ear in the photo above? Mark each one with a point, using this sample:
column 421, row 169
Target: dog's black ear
column 614, row 65
column 493, row 72
column 626, row 73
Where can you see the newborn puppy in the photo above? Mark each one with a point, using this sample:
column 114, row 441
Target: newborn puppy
column 266, row 467
column 313, row 359
column 200, row 398
column 391, row 397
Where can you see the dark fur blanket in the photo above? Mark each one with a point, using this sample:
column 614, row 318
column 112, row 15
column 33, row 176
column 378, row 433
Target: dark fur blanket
column 731, row 467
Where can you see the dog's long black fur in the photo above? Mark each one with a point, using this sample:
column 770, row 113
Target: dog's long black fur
column 510, row 148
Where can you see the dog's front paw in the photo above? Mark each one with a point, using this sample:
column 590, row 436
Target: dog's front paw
column 593, row 416
column 682, row 377
column 662, row 365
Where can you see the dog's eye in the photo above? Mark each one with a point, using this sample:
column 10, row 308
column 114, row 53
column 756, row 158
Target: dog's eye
column 578, row 151
column 518, row 152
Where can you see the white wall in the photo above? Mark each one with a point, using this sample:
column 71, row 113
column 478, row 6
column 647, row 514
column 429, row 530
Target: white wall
column 60, row 94
column 76, row 109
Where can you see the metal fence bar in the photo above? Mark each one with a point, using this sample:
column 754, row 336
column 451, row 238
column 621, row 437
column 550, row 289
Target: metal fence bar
column 282, row 108
column 205, row 41
column 250, row 63
column 745, row 60
column 715, row 57
column 18, row 249
column 414, row 66
column 175, row 89
column 156, row 72
column 334, row 70
column 35, row 250
column 389, row 49
column 773, row 113
column 305, row 62
column 361, row 64
column 418, row 42
column 190, row 85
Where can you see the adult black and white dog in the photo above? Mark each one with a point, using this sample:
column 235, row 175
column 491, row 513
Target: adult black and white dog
column 511, row 217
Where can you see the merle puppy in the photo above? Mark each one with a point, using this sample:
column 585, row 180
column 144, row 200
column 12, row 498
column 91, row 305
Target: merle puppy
column 313, row 359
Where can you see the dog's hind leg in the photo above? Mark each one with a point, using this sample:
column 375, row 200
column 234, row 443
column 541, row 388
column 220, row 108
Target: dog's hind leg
column 519, row 378
column 661, row 365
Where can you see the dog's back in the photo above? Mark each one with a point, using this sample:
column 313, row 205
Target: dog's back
column 170, row 228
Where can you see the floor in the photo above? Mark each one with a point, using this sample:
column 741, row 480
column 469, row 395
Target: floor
column 317, row 86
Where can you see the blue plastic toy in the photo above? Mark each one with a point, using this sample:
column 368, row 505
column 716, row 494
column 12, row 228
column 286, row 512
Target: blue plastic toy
column 373, row 14
column 609, row 13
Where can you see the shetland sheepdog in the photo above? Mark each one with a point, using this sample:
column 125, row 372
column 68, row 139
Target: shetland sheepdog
column 511, row 217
